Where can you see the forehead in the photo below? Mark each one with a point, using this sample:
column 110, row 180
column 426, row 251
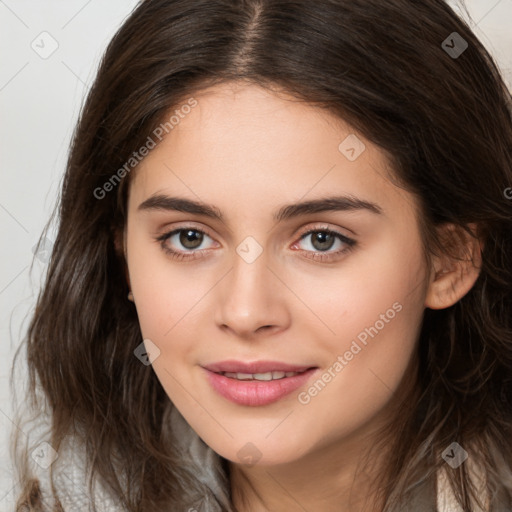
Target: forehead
column 242, row 141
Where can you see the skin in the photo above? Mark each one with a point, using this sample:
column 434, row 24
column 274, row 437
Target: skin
column 249, row 151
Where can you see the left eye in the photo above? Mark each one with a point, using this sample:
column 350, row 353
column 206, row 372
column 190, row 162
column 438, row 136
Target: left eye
column 324, row 240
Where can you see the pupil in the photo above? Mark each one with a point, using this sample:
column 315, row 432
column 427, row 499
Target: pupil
column 191, row 238
column 325, row 240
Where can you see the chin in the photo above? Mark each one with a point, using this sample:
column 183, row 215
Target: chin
column 258, row 450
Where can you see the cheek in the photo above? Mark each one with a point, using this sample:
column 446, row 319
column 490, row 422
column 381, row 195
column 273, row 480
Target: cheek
column 374, row 312
column 381, row 289
column 164, row 292
column 167, row 301
column 368, row 360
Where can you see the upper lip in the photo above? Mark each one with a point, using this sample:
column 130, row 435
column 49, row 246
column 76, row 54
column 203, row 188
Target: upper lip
column 254, row 367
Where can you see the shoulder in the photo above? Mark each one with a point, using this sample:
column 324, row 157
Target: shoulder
column 68, row 477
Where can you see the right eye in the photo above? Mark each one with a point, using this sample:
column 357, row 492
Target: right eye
column 184, row 243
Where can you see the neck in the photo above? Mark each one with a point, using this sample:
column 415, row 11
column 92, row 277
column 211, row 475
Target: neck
column 333, row 478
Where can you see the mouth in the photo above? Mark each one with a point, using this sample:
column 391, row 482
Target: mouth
column 256, row 384
column 275, row 375
column 255, row 367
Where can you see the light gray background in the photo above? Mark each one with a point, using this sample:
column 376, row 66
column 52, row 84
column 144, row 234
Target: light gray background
column 40, row 99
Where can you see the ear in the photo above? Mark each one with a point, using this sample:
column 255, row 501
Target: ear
column 120, row 247
column 454, row 273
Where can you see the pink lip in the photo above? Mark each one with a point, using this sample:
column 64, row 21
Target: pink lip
column 254, row 367
column 256, row 393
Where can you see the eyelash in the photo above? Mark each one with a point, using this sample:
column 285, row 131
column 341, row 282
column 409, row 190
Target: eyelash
column 317, row 256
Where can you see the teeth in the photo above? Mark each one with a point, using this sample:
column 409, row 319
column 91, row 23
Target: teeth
column 242, row 376
column 260, row 376
column 263, row 376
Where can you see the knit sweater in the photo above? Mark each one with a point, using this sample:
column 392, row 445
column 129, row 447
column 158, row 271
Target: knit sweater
column 206, row 465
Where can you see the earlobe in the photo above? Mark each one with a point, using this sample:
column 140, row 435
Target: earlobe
column 454, row 274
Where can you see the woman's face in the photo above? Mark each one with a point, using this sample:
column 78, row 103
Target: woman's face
column 248, row 292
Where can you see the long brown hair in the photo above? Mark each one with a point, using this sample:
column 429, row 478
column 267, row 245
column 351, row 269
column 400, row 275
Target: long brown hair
column 440, row 110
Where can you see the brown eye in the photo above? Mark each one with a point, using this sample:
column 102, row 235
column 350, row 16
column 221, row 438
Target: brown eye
column 322, row 240
column 185, row 243
column 191, row 238
column 318, row 244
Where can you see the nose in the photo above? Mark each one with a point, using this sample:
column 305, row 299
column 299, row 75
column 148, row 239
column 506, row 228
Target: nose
column 251, row 300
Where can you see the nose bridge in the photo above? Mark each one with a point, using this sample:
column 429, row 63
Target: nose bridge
column 250, row 297
column 248, row 284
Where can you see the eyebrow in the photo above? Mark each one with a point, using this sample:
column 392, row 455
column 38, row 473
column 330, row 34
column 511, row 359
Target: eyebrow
column 336, row 203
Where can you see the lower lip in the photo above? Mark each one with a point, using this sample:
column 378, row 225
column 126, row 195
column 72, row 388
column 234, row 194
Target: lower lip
column 255, row 393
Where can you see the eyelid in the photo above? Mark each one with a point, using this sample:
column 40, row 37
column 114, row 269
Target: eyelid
column 322, row 227
column 182, row 226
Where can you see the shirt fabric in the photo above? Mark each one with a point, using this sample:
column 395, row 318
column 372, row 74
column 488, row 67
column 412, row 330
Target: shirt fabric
column 429, row 496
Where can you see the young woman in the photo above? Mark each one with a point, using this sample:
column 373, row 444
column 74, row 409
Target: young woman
column 282, row 279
